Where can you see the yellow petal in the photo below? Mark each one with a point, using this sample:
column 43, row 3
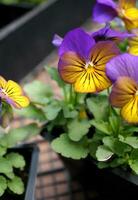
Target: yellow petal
column 130, row 18
column 102, row 53
column 133, row 46
column 130, row 111
column 123, row 91
column 13, row 89
column 92, row 81
column 20, row 101
column 125, row 4
column 71, row 67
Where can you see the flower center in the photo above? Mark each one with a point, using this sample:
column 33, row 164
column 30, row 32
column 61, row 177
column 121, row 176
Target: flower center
column 89, row 66
column 3, row 91
column 136, row 93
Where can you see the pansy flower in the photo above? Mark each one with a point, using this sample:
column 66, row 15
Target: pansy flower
column 123, row 71
column 82, row 61
column 108, row 33
column 107, row 10
column 12, row 93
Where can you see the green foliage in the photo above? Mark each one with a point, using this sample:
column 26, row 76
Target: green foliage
column 98, row 106
column 103, row 153
column 8, row 179
column 16, row 160
column 19, row 134
column 3, row 185
column 69, row 148
column 102, row 126
column 32, row 112
column 39, row 92
column 131, row 140
column 77, row 129
column 55, row 76
column 16, row 185
column 51, row 111
column 5, row 166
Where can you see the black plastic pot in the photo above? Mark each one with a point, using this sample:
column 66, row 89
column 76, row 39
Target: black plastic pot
column 26, row 41
column 30, row 153
column 102, row 184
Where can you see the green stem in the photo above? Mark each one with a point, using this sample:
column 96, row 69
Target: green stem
column 65, row 94
column 109, row 105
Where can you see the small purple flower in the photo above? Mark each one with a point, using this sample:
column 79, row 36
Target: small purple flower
column 107, row 33
column 106, row 10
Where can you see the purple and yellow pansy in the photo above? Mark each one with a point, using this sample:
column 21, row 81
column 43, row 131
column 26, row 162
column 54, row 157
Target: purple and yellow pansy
column 82, row 61
column 123, row 71
column 107, row 10
column 12, row 93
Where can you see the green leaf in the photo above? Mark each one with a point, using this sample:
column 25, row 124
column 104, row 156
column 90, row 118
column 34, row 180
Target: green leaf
column 109, row 142
column 52, row 110
column 93, row 148
column 134, row 154
column 5, row 166
column 77, row 129
column 103, row 153
column 131, row 140
column 98, row 106
column 38, row 92
column 134, row 165
column 16, row 160
column 3, row 150
column 32, row 112
column 70, row 149
column 16, row 185
column 114, row 123
column 116, row 146
column 102, row 165
column 53, row 72
column 130, row 129
column 19, row 134
column 101, row 126
column 69, row 113
column 10, row 175
column 117, row 162
column 3, row 185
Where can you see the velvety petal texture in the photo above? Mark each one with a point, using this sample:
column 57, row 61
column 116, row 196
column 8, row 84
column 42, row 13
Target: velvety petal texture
column 77, row 41
column 12, row 93
column 104, row 11
column 88, row 75
column 123, row 65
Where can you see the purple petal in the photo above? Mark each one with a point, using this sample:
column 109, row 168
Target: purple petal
column 123, row 65
column 108, row 3
column 57, row 40
column 107, row 33
column 77, row 41
column 104, row 12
